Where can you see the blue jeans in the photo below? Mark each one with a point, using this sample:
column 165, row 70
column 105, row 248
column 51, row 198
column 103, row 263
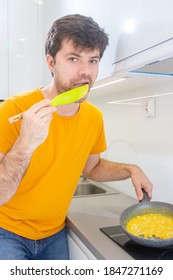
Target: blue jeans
column 15, row 247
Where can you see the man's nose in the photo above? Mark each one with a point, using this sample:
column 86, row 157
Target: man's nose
column 84, row 69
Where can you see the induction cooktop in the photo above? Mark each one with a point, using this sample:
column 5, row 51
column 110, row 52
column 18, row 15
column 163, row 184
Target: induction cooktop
column 137, row 252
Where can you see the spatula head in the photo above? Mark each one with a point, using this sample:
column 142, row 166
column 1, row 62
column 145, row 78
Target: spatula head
column 70, row 96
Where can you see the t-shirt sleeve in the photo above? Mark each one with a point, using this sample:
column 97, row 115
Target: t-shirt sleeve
column 8, row 132
column 100, row 142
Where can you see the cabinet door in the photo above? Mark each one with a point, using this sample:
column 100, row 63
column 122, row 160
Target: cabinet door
column 77, row 249
column 3, row 50
column 25, row 45
column 153, row 24
column 75, row 252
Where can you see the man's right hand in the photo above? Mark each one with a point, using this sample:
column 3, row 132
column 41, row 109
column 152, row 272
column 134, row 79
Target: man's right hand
column 35, row 124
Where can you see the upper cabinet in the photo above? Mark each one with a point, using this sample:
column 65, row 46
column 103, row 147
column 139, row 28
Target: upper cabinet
column 21, row 46
column 138, row 25
column 25, row 45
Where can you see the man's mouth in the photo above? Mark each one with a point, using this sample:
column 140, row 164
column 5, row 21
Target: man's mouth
column 81, row 84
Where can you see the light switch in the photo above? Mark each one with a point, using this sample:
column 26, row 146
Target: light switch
column 150, row 108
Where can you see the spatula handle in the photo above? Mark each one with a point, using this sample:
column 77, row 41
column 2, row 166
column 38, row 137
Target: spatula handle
column 15, row 118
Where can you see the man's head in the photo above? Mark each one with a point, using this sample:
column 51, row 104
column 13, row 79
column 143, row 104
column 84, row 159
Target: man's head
column 83, row 31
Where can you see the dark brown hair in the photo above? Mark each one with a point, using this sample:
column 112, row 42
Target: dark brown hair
column 83, row 31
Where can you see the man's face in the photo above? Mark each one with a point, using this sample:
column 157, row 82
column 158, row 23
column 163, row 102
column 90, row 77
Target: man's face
column 74, row 67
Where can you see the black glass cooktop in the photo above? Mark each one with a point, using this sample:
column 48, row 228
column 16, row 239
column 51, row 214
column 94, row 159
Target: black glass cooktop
column 137, row 252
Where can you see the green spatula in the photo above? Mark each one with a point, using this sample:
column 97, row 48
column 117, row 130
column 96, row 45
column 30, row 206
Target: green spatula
column 67, row 97
column 70, row 96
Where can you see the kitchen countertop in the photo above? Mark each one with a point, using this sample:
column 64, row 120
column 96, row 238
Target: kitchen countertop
column 88, row 214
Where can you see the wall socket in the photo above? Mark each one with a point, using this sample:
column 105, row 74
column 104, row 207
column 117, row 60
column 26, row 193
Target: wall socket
column 150, row 107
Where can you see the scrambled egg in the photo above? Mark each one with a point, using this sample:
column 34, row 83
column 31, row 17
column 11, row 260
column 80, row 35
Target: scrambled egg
column 151, row 226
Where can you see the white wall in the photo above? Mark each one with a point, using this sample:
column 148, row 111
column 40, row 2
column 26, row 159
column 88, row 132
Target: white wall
column 134, row 138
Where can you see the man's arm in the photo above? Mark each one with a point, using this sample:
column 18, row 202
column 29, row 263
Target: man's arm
column 101, row 170
column 13, row 166
column 33, row 131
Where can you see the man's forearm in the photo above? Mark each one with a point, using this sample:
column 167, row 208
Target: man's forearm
column 110, row 171
column 105, row 171
column 12, row 169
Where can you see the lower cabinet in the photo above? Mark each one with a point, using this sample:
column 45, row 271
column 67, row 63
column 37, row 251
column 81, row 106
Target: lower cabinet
column 77, row 249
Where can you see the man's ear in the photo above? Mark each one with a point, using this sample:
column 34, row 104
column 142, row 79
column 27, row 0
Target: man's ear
column 50, row 62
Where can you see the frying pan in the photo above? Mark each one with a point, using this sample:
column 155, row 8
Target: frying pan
column 146, row 207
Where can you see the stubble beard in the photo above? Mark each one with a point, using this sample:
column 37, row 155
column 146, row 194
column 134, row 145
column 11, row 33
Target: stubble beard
column 62, row 86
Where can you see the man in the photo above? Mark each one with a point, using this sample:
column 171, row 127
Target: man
column 43, row 155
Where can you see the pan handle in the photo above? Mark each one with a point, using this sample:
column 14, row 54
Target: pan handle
column 145, row 196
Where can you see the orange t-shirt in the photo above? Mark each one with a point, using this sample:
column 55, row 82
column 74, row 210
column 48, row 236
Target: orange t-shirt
column 39, row 207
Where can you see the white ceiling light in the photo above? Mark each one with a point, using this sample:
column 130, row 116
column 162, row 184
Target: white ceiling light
column 129, row 25
column 125, row 103
column 39, row 2
column 140, row 97
column 22, row 39
column 109, row 83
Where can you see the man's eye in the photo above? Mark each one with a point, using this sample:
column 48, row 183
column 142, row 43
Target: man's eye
column 73, row 59
column 94, row 61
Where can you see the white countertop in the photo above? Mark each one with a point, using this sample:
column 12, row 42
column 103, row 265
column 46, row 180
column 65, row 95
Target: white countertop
column 88, row 214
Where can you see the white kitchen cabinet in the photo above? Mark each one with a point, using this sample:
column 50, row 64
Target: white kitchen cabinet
column 153, row 20
column 25, row 45
column 21, row 48
column 3, row 50
column 77, row 249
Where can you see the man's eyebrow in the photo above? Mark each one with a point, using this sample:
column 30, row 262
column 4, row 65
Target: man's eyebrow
column 72, row 54
column 78, row 55
column 95, row 56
